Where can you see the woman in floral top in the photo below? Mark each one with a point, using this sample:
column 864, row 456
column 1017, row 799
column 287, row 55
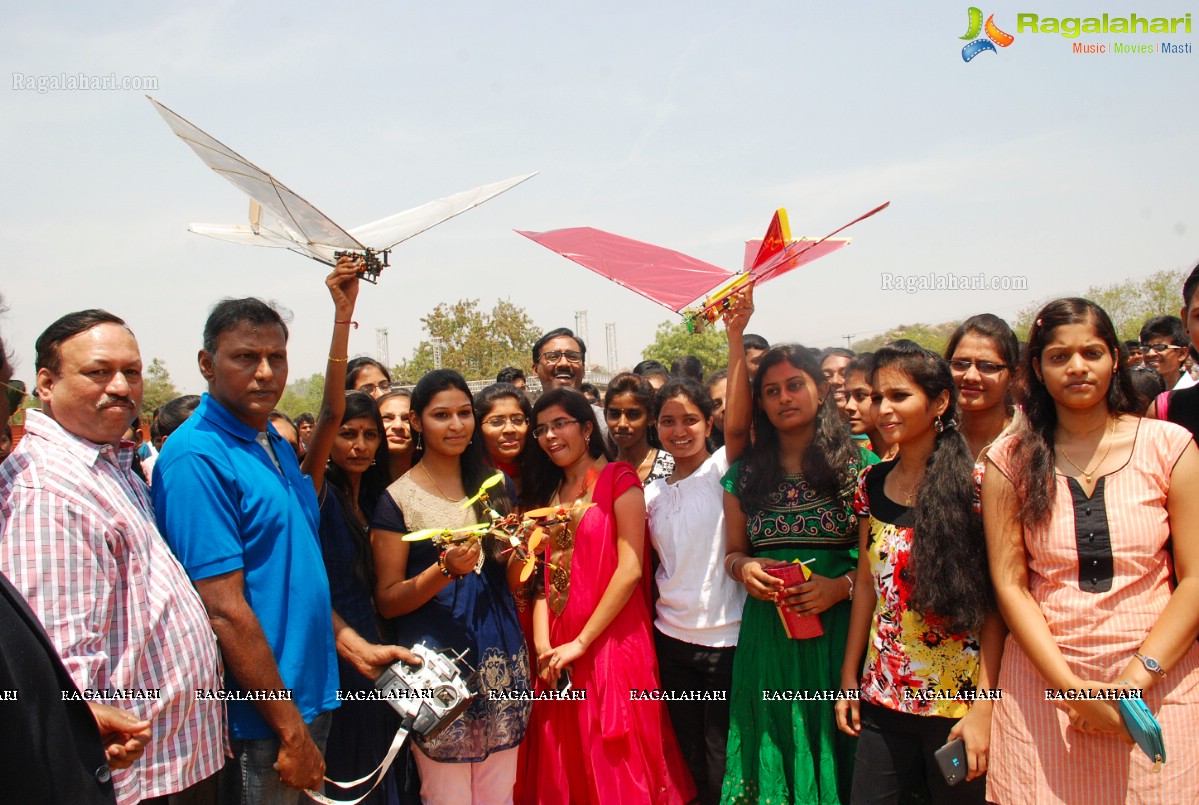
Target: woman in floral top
column 929, row 647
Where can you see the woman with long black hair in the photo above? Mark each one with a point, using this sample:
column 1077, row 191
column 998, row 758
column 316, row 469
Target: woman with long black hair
column 592, row 624
column 347, row 461
column 923, row 614
column 1089, row 509
column 789, row 499
column 457, row 597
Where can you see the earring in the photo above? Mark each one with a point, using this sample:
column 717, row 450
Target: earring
column 939, row 426
column 418, row 441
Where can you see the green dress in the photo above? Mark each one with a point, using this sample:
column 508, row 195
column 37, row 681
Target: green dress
column 780, row 750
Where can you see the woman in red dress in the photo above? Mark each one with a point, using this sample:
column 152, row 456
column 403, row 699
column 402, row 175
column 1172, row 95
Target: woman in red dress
column 592, row 625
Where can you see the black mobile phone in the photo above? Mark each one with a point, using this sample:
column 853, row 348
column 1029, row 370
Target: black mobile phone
column 563, row 680
column 951, row 758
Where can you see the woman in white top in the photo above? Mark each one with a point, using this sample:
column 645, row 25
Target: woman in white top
column 698, row 611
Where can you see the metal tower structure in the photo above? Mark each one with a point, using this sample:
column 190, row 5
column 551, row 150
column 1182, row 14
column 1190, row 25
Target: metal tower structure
column 437, row 345
column 581, row 325
column 610, row 338
column 382, row 348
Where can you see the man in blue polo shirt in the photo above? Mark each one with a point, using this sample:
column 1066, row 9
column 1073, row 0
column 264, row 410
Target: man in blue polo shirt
column 233, row 505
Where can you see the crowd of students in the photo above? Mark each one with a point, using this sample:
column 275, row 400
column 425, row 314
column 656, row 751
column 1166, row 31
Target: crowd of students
column 989, row 540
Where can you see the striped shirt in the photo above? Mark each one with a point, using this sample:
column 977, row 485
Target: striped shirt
column 1099, row 569
column 79, row 542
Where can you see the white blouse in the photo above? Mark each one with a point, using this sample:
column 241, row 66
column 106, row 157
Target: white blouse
column 698, row 603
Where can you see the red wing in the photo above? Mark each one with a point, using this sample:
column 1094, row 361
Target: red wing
column 802, row 251
column 667, row 277
column 778, row 235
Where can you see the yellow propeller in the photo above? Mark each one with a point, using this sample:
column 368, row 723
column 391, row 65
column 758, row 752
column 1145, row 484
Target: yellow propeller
column 490, row 482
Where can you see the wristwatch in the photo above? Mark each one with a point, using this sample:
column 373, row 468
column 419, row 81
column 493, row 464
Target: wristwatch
column 1150, row 664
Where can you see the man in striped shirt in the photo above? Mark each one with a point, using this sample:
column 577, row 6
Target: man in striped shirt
column 80, row 544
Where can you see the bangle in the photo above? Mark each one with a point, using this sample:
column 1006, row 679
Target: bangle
column 730, row 565
column 445, row 571
column 848, row 577
column 347, row 321
column 337, row 360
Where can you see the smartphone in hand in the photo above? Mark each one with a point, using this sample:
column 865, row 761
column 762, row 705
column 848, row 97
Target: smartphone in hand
column 951, row 759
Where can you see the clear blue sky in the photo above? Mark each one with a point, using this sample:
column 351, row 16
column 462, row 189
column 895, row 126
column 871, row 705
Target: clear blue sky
column 680, row 124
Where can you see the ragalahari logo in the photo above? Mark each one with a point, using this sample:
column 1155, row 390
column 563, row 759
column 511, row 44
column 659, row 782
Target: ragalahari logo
column 994, row 35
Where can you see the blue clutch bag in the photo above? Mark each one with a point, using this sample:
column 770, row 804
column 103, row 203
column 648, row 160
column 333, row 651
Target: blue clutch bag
column 1144, row 729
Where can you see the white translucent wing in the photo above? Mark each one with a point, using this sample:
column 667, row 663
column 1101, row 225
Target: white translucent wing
column 246, row 235
column 393, row 229
column 309, row 225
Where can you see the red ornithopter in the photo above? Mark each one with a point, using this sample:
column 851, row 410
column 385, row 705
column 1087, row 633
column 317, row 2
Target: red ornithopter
column 674, row 280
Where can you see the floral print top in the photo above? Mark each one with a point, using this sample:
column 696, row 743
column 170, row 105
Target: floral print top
column 914, row 663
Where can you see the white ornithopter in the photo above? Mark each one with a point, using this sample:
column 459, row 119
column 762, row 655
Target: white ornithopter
column 281, row 219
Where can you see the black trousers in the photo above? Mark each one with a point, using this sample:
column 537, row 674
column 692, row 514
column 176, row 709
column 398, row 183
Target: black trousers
column 702, row 727
column 894, row 749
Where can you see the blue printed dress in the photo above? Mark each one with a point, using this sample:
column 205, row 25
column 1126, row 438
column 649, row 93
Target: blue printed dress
column 476, row 615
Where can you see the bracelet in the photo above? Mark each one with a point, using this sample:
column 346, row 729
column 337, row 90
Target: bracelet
column 849, row 577
column 445, row 571
column 730, row 566
column 337, row 360
column 347, row 321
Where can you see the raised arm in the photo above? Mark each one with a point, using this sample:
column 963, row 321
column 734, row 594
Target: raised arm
column 342, row 283
column 738, row 401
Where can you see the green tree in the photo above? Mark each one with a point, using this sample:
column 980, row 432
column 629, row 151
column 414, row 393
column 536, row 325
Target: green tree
column 930, row 336
column 303, row 395
column 1129, row 303
column 474, row 342
column 157, row 388
column 672, row 340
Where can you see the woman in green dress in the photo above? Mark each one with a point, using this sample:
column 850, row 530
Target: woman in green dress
column 791, row 499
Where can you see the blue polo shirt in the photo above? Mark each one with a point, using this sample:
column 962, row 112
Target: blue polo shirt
column 223, row 505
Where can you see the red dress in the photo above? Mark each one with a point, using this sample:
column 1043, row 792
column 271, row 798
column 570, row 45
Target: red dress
column 607, row 749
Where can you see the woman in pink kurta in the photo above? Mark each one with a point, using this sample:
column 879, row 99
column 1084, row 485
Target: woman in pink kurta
column 1086, row 585
column 614, row 746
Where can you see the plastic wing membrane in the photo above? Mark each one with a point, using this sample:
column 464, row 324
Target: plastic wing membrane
column 309, row 224
column 387, row 232
column 765, row 265
column 664, row 276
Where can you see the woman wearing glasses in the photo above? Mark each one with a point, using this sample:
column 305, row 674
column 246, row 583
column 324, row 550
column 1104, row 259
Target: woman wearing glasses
column 503, row 413
column 592, row 624
column 983, row 355
column 367, row 374
column 454, row 596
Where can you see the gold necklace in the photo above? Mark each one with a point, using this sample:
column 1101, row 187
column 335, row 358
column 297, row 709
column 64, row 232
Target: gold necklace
column 437, row 486
column 1088, row 474
column 911, row 494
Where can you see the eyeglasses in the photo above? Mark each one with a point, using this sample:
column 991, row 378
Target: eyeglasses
column 553, row 427
column 517, row 420
column 575, row 358
column 1160, row 348
column 15, row 390
column 983, row 367
column 382, row 387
